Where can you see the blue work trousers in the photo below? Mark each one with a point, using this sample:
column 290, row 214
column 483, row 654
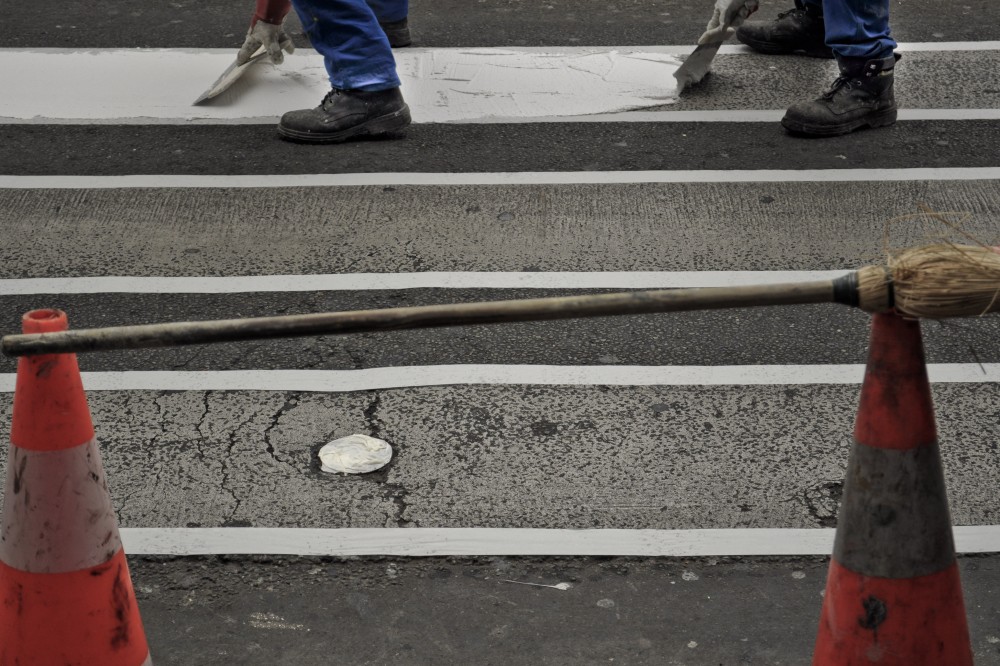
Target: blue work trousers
column 857, row 28
column 347, row 33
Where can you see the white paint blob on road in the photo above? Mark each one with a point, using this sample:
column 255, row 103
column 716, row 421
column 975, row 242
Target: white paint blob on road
column 273, row 621
column 355, row 454
column 440, row 85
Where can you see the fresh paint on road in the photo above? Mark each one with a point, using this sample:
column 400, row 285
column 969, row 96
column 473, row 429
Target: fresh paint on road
column 469, row 542
column 425, row 280
column 502, row 178
column 538, row 375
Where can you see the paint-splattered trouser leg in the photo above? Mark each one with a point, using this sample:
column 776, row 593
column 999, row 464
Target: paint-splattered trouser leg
column 355, row 49
column 857, row 28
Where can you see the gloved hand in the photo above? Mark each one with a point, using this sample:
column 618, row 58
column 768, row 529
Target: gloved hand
column 271, row 36
column 728, row 15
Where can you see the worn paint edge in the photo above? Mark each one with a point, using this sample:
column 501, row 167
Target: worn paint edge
column 422, row 280
column 480, row 541
column 338, row 381
column 172, row 181
column 669, row 49
column 695, row 116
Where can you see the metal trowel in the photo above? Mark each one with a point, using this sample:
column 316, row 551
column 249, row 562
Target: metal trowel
column 229, row 77
column 728, row 15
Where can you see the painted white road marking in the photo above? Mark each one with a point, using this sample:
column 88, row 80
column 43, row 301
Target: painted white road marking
column 440, row 85
column 427, row 542
column 659, row 116
column 480, row 85
column 160, row 181
column 540, row 375
column 424, row 280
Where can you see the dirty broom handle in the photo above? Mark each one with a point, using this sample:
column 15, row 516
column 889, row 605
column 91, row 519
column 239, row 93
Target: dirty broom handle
column 334, row 323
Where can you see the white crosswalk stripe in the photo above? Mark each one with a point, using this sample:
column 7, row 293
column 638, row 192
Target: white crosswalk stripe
column 640, row 91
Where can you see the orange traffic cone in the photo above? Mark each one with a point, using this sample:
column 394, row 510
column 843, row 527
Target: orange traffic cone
column 893, row 594
column 66, row 591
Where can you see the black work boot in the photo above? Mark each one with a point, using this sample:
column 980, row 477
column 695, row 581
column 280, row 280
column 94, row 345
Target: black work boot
column 398, row 33
column 799, row 31
column 862, row 96
column 344, row 114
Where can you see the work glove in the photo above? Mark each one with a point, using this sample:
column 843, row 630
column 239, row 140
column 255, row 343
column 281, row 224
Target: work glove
column 269, row 35
column 727, row 16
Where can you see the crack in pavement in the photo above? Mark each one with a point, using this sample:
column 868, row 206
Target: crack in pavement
column 125, row 496
column 291, row 402
column 394, row 492
column 372, row 419
column 199, row 444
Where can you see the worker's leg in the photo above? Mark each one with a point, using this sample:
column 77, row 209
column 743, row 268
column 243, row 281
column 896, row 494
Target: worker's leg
column 798, row 31
column 391, row 15
column 863, row 95
column 365, row 98
column 347, row 34
column 858, row 28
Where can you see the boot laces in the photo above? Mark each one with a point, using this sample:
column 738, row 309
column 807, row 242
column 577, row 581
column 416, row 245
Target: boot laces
column 334, row 92
column 841, row 83
column 793, row 10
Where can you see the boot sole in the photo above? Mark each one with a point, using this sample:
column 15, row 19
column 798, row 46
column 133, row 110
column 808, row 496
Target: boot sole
column 773, row 48
column 387, row 124
column 880, row 119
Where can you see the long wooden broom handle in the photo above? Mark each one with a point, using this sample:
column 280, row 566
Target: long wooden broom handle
column 841, row 290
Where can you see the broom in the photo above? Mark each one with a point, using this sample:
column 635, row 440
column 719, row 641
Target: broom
column 935, row 281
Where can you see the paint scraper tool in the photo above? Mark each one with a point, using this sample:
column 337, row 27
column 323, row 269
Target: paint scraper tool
column 726, row 17
column 230, row 76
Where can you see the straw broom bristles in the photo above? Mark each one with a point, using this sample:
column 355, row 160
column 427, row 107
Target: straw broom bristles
column 933, row 282
column 945, row 280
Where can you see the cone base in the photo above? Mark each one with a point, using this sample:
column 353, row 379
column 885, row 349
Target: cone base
column 916, row 621
column 82, row 617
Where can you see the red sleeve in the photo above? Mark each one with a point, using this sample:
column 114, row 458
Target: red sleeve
column 271, row 11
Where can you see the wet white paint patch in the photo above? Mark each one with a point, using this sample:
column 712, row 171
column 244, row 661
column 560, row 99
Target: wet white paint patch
column 451, row 85
column 440, row 85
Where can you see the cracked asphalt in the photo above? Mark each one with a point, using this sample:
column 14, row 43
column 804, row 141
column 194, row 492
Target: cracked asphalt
column 643, row 457
column 515, row 456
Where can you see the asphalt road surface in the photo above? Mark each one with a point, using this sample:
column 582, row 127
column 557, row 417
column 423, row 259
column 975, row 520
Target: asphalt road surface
column 736, row 421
